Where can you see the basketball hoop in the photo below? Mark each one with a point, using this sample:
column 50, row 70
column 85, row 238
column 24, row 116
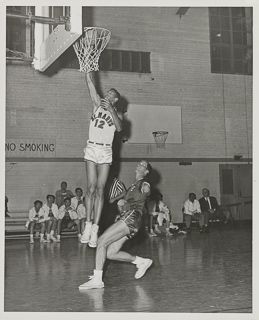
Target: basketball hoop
column 89, row 48
column 160, row 138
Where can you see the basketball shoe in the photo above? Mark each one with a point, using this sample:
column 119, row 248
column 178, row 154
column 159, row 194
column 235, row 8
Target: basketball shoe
column 86, row 234
column 94, row 236
column 95, row 282
column 142, row 267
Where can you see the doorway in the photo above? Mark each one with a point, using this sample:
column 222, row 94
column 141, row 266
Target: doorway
column 236, row 187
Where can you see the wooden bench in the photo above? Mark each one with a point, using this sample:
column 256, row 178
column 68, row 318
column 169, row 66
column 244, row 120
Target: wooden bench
column 15, row 226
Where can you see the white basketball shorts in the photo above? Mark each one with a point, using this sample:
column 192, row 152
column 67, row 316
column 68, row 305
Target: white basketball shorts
column 99, row 154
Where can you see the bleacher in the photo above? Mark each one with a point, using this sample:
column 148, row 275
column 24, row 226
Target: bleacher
column 15, row 226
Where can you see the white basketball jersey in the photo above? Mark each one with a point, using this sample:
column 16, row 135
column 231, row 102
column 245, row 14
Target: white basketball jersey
column 101, row 128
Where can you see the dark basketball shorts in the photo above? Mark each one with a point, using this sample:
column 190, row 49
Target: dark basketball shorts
column 64, row 223
column 133, row 220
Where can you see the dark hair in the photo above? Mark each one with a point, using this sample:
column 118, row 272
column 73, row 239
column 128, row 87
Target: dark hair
column 64, row 182
column 79, row 189
column 67, row 198
column 117, row 94
column 159, row 194
column 206, row 189
column 192, row 194
column 149, row 168
column 51, row 195
column 37, row 201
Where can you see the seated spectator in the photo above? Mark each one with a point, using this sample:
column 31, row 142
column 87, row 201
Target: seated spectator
column 36, row 221
column 158, row 212
column 67, row 218
column 78, row 204
column 62, row 194
column 209, row 209
column 6, row 207
column 51, row 217
column 192, row 210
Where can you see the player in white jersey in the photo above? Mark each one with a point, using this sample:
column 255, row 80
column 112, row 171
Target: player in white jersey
column 104, row 122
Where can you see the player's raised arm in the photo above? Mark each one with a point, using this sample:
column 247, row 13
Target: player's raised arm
column 92, row 90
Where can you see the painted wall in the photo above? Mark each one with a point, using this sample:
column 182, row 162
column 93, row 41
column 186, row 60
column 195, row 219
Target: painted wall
column 58, row 108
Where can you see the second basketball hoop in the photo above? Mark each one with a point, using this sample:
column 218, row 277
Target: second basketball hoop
column 89, row 48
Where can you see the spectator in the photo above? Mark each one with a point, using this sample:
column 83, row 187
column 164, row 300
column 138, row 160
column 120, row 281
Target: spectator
column 209, row 209
column 78, row 204
column 36, row 221
column 51, row 217
column 67, row 218
column 192, row 210
column 6, row 207
column 62, row 194
column 158, row 212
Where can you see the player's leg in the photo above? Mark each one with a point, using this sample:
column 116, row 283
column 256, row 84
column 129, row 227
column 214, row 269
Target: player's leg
column 102, row 173
column 114, row 233
column 31, row 228
column 48, row 226
column 42, row 230
column 53, row 228
column 114, row 253
column 59, row 223
column 91, row 173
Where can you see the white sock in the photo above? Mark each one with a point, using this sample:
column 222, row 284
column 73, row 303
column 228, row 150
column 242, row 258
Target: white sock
column 95, row 227
column 138, row 260
column 31, row 235
column 52, row 232
column 98, row 274
column 88, row 223
column 58, row 236
column 41, row 235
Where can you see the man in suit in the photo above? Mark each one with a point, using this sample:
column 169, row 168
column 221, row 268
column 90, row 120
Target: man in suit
column 209, row 209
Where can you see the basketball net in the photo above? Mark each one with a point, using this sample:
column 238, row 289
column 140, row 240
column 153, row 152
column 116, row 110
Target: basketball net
column 160, row 138
column 89, row 48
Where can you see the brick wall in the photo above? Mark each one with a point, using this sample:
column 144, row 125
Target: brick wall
column 58, row 106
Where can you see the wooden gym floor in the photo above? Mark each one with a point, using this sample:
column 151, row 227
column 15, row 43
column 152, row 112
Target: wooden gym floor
column 197, row 273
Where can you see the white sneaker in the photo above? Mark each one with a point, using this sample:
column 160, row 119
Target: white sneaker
column 31, row 240
column 94, row 236
column 152, row 233
column 53, row 238
column 94, row 283
column 48, row 238
column 157, row 230
column 58, row 239
column 43, row 240
column 86, row 234
column 142, row 268
column 172, row 226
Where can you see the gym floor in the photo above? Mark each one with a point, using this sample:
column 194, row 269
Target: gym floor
column 197, row 273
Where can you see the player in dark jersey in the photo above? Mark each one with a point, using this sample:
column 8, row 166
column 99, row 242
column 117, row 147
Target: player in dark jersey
column 110, row 242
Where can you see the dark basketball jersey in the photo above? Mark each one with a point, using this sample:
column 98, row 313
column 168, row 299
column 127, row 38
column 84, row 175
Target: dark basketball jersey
column 135, row 198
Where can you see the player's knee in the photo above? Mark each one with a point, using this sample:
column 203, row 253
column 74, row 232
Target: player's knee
column 100, row 191
column 111, row 254
column 91, row 190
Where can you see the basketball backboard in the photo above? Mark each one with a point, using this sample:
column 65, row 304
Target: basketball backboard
column 146, row 119
column 51, row 40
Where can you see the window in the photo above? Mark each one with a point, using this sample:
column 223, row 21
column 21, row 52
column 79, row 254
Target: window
column 15, row 31
column 231, row 40
column 112, row 60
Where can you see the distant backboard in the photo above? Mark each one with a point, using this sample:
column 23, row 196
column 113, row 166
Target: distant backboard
column 52, row 40
column 144, row 119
